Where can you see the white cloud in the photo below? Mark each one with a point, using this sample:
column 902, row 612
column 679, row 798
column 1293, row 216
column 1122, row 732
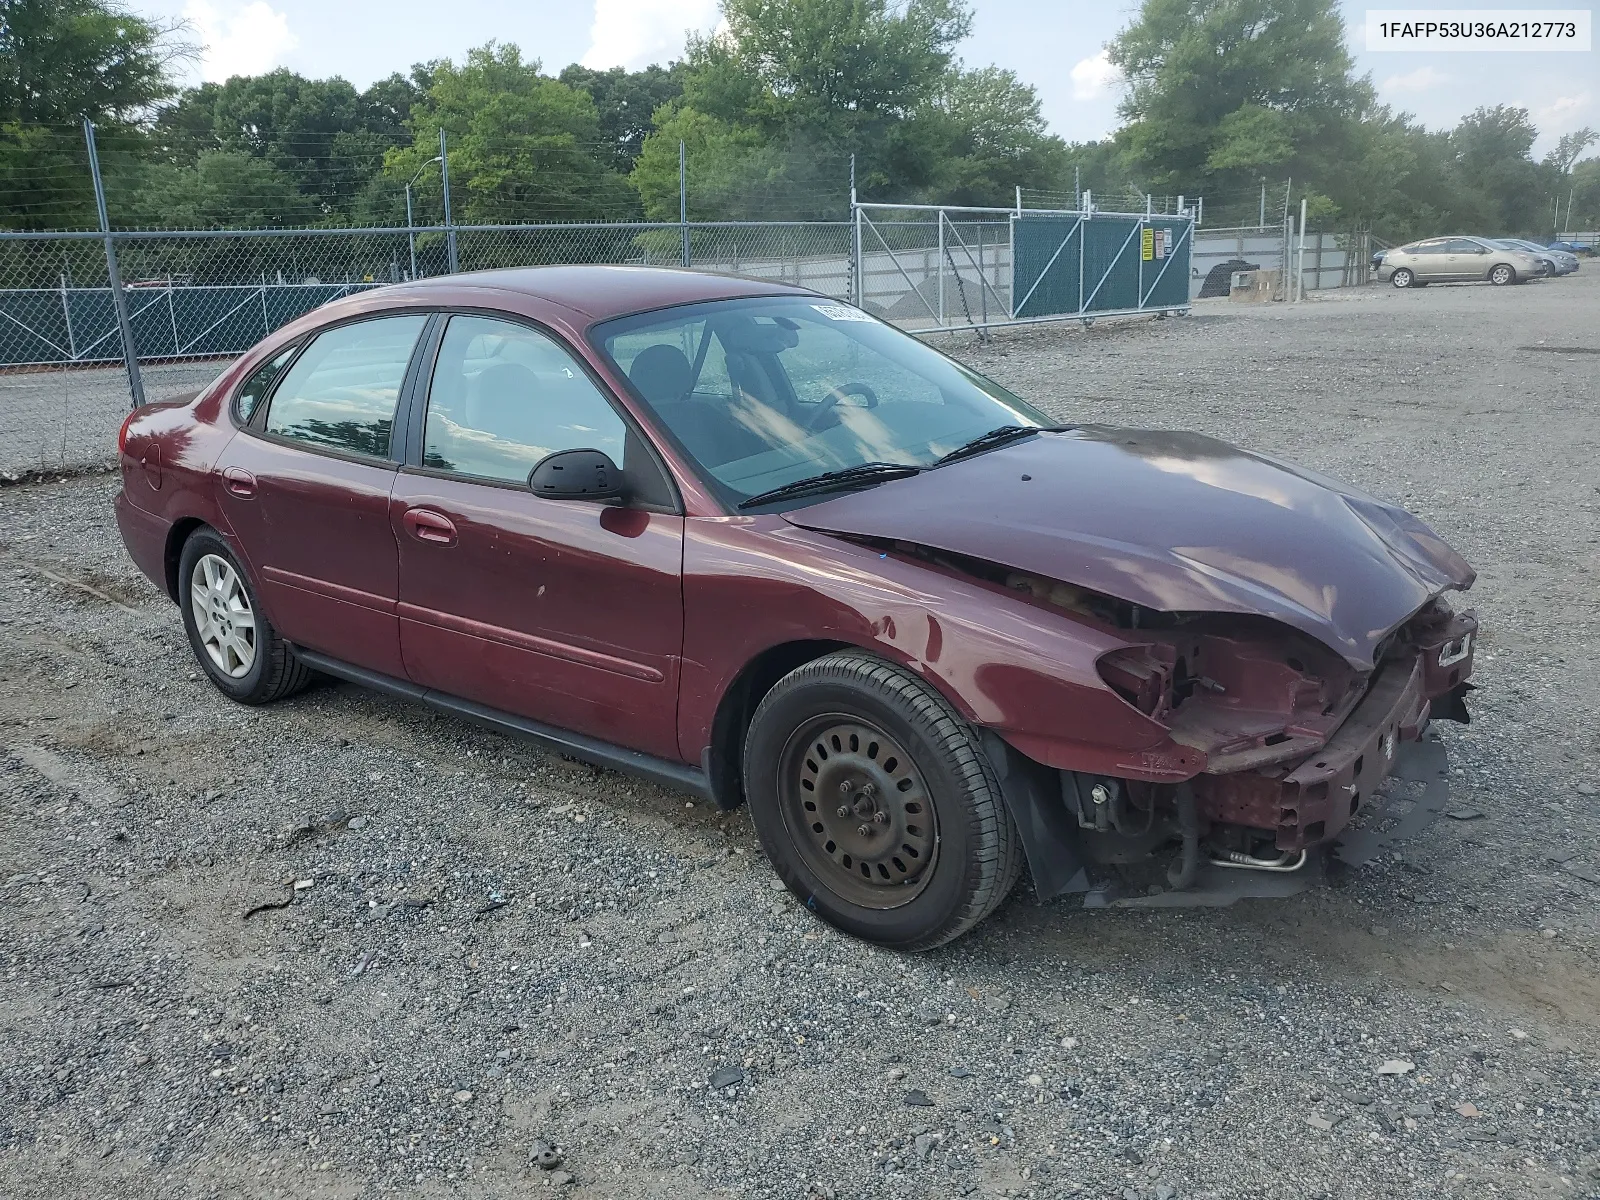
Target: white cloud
column 1559, row 113
column 634, row 33
column 239, row 39
column 1092, row 76
column 1423, row 79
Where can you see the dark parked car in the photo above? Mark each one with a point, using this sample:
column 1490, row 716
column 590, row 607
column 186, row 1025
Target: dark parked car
column 754, row 543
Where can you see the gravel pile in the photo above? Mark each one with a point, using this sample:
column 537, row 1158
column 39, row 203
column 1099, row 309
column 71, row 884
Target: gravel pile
column 345, row 947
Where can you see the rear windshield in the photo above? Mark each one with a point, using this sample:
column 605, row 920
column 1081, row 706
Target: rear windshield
column 766, row 392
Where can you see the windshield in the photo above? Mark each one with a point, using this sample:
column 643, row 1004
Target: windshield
column 767, row 392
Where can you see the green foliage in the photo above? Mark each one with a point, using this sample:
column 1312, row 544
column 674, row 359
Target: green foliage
column 1222, row 93
column 60, row 62
column 522, row 145
column 625, row 101
column 772, row 110
column 221, row 189
column 64, row 60
column 318, row 137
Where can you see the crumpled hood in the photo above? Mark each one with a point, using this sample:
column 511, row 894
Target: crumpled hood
column 1178, row 522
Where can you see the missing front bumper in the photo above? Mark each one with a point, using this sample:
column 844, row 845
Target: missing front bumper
column 1418, row 792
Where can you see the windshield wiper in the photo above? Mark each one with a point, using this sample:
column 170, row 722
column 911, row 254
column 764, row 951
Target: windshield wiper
column 870, row 472
column 997, row 437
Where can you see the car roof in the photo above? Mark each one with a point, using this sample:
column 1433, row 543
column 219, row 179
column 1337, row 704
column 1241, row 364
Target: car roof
column 601, row 290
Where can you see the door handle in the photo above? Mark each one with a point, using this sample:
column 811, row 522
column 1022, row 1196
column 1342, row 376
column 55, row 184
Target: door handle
column 428, row 526
column 239, row 482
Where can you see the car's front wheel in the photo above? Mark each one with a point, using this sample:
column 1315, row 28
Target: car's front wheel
column 1402, row 277
column 230, row 635
column 875, row 803
column 1501, row 275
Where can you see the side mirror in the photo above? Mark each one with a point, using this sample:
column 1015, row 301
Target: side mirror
column 576, row 475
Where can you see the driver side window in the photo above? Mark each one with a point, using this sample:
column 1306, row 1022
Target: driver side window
column 504, row 396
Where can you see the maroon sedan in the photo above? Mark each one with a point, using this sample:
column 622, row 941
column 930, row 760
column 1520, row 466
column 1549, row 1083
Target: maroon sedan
column 748, row 541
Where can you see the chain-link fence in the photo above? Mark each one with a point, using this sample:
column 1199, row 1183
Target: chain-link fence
column 195, row 299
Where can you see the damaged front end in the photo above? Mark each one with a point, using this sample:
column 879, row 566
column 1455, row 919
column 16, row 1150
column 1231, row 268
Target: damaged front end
column 1304, row 755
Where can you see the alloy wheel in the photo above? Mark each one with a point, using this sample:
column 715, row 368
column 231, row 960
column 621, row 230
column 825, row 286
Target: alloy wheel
column 858, row 810
column 223, row 617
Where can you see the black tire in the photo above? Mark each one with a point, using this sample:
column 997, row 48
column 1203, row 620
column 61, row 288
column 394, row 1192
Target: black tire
column 1501, row 274
column 976, row 855
column 1403, row 277
column 275, row 672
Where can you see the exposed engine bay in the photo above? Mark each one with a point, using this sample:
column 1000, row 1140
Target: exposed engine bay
column 1303, row 753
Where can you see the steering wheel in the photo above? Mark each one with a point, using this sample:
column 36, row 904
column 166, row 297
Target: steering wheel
column 831, row 401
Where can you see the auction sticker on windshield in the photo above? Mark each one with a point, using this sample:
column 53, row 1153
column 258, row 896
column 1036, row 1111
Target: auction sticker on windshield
column 841, row 312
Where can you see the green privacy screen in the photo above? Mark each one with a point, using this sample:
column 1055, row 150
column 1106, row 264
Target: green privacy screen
column 1065, row 264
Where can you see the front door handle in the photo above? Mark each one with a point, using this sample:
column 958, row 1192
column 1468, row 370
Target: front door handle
column 239, row 482
column 428, row 526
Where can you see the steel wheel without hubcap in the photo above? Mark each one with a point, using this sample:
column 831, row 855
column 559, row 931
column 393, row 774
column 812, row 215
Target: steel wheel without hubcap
column 858, row 811
column 223, row 618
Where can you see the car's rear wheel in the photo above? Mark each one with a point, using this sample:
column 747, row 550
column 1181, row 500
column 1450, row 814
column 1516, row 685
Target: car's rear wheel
column 876, row 805
column 1402, row 277
column 1501, row 274
column 229, row 633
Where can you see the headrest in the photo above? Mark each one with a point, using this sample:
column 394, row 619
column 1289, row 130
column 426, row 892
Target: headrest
column 662, row 374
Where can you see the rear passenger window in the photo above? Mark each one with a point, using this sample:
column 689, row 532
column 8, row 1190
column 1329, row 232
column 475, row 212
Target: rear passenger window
column 504, row 396
column 342, row 392
column 259, row 384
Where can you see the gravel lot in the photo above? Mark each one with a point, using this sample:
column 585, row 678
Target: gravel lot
column 497, row 946
column 56, row 419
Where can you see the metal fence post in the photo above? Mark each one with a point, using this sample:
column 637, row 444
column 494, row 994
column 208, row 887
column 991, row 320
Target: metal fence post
column 854, row 284
column 449, row 227
column 683, row 198
column 130, row 353
column 411, row 238
column 940, row 276
column 66, row 313
column 1083, row 236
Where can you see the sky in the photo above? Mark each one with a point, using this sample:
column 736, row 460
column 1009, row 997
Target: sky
column 1055, row 45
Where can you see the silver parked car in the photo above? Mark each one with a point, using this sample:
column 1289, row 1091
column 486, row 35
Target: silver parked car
column 1560, row 262
column 1453, row 259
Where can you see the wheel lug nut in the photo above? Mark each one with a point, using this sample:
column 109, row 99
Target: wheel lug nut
column 864, row 830
column 881, row 818
column 844, row 810
column 844, row 788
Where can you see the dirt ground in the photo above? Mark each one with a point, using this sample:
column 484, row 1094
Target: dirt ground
column 498, row 946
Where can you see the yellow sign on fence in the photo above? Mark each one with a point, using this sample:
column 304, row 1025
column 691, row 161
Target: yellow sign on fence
column 1147, row 244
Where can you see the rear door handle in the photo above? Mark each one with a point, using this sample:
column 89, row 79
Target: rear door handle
column 428, row 526
column 239, row 482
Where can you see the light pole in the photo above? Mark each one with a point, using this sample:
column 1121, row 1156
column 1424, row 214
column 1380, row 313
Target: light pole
column 411, row 238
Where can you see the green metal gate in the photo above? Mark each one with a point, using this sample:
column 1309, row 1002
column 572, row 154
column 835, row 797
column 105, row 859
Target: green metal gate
column 1071, row 264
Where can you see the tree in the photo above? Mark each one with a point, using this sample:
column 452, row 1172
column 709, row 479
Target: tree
column 1570, row 147
column 1221, row 93
column 774, row 107
column 62, row 61
column 326, row 139
column 523, row 146
column 1492, row 149
column 997, row 140
column 221, row 189
column 625, row 101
